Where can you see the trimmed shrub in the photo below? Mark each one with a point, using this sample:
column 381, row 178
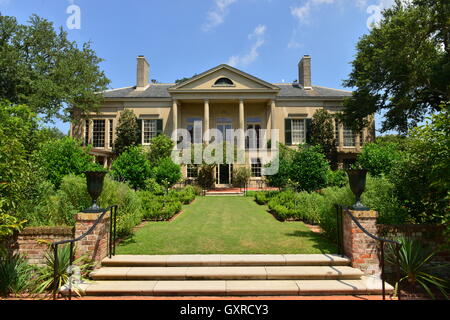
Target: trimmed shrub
column 166, row 172
column 160, row 208
column 309, row 169
column 154, row 187
column 151, row 205
column 264, row 197
column 133, row 167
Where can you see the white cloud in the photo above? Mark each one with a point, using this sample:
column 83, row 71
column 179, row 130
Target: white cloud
column 244, row 60
column 216, row 16
column 375, row 12
column 302, row 12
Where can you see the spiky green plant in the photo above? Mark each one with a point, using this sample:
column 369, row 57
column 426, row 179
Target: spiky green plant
column 415, row 266
column 15, row 274
column 46, row 278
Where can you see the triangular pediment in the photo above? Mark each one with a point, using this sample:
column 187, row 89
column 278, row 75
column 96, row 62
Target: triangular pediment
column 224, row 77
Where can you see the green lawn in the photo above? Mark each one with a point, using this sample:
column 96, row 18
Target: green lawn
column 225, row 225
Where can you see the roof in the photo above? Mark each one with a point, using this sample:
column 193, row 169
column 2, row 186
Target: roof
column 153, row 91
column 284, row 90
column 287, row 91
column 296, row 91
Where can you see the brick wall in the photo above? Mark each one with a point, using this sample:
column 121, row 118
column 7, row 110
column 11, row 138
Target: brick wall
column 359, row 247
column 95, row 245
column 364, row 251
column 33, row 243
column 430, row 235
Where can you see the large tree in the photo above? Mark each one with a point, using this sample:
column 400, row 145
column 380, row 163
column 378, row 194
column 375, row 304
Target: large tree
column 402, row 66
column 41, row 68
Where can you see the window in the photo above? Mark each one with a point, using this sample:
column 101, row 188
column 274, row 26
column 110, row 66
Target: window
column 86, row 133
column 256, row 167
column 111, row 132
column 150, row 130
column 336, row 132
column 194, row 126
column 99, row 134
column 252, row 139
column 298, row 131
column 192, row 171
column 349, row 138
column 224, row 82
column 361, row 138
column 223, row 125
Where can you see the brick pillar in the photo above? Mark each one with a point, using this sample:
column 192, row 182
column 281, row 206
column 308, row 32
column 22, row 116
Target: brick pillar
column 359, row 247
column 94, row 245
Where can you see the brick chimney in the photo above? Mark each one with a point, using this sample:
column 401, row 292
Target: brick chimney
column 304, row 72
column 143, row 72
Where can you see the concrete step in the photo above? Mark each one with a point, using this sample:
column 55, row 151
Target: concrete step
column 226, row 260
column 232, row 288
column 224, row 194
column 228, row 273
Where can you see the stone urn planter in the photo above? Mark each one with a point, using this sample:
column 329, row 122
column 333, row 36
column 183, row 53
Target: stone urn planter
column 357, row 180
column 94, row 180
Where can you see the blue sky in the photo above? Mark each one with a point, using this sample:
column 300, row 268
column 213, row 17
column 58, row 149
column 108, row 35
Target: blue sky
column 265, row 38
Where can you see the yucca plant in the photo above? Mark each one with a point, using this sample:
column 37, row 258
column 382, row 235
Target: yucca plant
column 47, row 279
column 15, row 274
column 415, row 266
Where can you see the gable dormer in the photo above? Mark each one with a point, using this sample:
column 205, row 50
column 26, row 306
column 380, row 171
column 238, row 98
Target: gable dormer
column 224, row 78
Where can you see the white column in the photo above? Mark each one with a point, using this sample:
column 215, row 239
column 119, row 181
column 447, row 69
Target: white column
column 357, row 140
column 107, row 134
column 341, row 135
column 206, row 122
column 242, row 124
column 273, row 116
column 175, row 121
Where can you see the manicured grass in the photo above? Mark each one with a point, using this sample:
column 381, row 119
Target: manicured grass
column 225, row 225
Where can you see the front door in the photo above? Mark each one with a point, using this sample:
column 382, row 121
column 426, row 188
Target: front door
column 224, row 175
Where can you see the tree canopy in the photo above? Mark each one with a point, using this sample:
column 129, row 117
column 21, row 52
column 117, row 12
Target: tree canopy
column 402, row 66
column 41, row 68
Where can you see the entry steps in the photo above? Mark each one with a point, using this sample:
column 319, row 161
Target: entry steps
column 230, row 275
column 224, row 194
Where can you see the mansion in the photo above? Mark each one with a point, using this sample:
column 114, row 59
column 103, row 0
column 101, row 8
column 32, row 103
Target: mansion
column 222, row 98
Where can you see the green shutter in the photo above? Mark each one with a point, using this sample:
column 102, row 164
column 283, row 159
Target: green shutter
column 139, row 132
column 288, row 132
column 159, row 127
column 308, row 131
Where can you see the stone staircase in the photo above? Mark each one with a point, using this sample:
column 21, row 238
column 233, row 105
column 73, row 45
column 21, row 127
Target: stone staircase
column 229, row 275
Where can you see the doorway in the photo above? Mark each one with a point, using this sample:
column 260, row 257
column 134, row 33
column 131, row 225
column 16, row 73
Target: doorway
column 224, row 175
